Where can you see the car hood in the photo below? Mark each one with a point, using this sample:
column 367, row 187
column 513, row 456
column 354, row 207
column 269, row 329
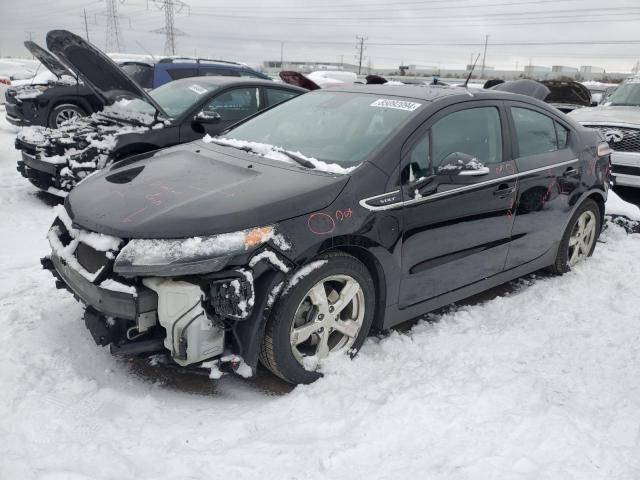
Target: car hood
column 531, row 88
column 96, row 69
column 568, row 92
column 609, row 115
column 197, row 189
column 50, row 62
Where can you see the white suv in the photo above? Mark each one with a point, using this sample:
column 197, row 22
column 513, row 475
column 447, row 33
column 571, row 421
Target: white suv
column 618, row 118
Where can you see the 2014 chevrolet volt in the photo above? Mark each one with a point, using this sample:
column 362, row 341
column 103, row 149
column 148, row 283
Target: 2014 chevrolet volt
column 289, row 237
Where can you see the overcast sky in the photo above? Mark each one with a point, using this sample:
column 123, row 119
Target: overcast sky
column 445, row 33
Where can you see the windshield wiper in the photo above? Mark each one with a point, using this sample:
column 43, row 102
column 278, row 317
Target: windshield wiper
column 297, row 158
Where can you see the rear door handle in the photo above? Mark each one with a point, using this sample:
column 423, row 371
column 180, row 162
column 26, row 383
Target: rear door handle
column 570, row 172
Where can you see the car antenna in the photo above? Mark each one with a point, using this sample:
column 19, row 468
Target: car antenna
column 471, row 72
column 153, row 57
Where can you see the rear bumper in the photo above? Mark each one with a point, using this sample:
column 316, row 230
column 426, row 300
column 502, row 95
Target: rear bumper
column 626, row 168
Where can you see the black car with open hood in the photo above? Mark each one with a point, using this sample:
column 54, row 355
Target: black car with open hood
column 133, row 121
column 290, row 236
column 565, row 95
column 53, row 102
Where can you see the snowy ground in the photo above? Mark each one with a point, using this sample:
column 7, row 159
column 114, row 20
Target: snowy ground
column 539, row 383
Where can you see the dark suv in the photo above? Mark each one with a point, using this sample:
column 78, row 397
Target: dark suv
column 152, row 75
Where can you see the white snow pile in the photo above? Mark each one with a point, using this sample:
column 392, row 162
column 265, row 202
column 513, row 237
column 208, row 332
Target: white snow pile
column 275, row 153
column 617, row 206
column 539, row 383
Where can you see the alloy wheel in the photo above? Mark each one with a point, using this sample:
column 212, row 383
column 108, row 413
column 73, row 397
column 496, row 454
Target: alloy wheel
column 65, row 115
column 582, row 237
column 328, row 319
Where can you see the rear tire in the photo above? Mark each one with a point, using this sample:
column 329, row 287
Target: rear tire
column 327, row 312
column 579, row 239
column 64, row 112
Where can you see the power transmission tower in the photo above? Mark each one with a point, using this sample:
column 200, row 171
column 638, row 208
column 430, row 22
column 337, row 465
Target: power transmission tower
column 114, row 35
column 360, row 49
column 170, row 7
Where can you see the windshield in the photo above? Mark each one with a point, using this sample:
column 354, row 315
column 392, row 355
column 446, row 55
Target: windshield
column 175, row 98
column 626, row 94
column 334, row 127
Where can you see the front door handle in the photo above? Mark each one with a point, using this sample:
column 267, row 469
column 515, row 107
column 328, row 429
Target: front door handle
column 570, row 172
column 504, row 190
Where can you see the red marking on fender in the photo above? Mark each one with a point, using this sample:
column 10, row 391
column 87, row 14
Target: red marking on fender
column 499, row 168
column 321, row 224
column 129, row 217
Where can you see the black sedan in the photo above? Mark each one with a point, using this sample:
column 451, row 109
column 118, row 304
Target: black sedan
column 293, row 235
column 134, row 121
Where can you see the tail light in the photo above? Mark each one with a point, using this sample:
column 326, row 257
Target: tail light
column 5, row 81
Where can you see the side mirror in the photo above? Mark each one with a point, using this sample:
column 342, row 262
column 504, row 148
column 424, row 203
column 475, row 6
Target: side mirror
column 459, row 163
column 207, row 118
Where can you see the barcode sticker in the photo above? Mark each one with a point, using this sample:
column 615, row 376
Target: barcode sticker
column 397, row 104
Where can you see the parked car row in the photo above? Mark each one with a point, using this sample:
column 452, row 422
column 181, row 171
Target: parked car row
column 301, row 221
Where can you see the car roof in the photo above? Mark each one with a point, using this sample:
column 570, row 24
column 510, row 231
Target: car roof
column 225, row 81
column 432, row 93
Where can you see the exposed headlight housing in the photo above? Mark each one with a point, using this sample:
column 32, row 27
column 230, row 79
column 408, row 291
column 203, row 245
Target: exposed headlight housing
column 173, row 257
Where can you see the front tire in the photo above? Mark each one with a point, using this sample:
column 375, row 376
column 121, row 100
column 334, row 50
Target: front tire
column 327, row 312
column 579, row 239
column 63, row 113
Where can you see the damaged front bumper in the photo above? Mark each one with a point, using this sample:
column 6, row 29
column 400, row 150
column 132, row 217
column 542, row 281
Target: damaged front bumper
column 194, row 318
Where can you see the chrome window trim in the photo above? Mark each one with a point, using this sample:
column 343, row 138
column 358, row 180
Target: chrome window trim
column 454, row 191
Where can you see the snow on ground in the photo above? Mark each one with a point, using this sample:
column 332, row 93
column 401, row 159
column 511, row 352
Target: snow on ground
column 540, row 383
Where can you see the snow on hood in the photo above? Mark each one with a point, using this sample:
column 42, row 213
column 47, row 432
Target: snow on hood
column 275, row 153
column 607, row 113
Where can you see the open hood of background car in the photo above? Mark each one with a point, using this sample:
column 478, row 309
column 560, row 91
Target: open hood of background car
column 96, row 69
column 197, row 189
column 531, row 88
column 569, row 92
column 50, row 62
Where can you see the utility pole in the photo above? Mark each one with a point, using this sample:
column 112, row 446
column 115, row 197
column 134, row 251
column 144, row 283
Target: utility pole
column 114, row 35
column 281, row 55
column 360, row 49
column 170, row 7
column 86, row 25
column 31, row 40
column 484, row 56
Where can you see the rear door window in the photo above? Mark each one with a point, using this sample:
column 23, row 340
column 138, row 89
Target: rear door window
column 177, row 73
column 278, row 95
column 537, row 133
column 142, row 74
column 216, row 71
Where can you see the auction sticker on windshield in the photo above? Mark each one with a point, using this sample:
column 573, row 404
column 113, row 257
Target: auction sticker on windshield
column 397, row 104
column 198, row 89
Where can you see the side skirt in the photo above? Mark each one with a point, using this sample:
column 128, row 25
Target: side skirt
column 395, row 316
